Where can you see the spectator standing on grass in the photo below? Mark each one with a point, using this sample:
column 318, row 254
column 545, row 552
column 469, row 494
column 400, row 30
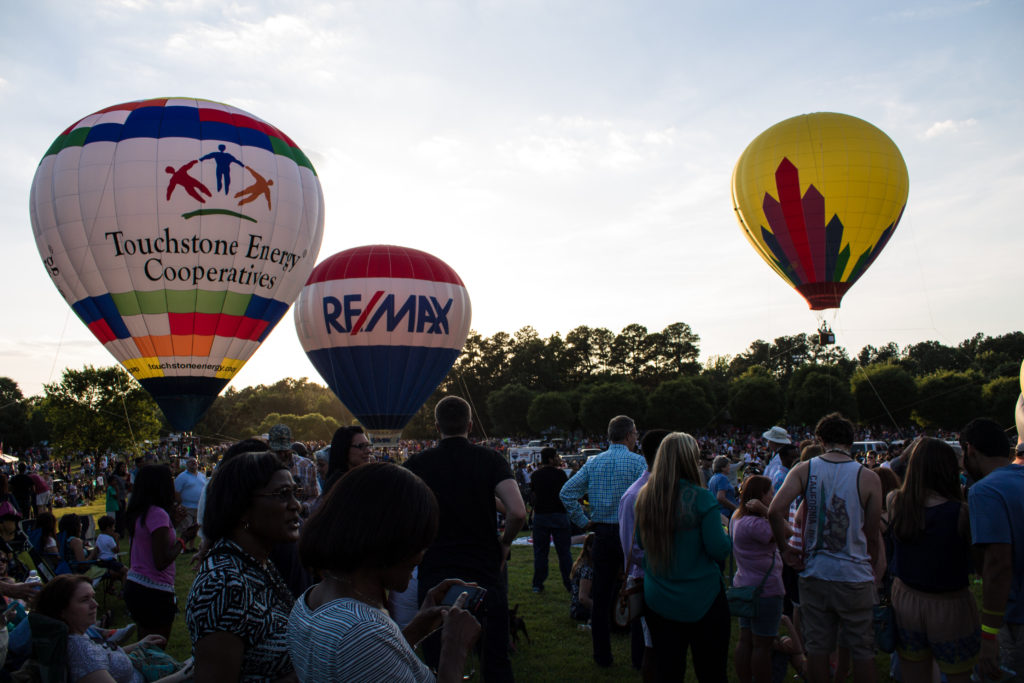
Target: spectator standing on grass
column 149, row 589
column 189, row 485
column 996, row 503
column 935, row 612
column 24, row 491
column 840, row 542
column 550, row 520
column 641, row 646
column 685, row 547
column 604, row 478
column 466, row 479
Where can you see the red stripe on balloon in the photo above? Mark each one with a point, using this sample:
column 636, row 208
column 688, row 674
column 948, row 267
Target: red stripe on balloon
column 384, row 260
column 366, row 311
column 102, row 330
column 242, row 121
column 787, row 180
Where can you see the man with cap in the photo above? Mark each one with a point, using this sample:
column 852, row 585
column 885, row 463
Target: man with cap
column 996, row 502
column 303, row 470
column 777, row 437
column 285, row 556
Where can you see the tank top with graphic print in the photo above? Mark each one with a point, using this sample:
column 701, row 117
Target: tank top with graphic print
column 835, row 547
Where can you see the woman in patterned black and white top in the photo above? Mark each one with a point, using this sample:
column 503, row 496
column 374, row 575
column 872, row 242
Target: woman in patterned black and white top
column 238, row 608
column 368, row 533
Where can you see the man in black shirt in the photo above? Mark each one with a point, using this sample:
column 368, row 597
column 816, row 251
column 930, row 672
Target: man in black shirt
column 466, row 479
column 24, row 491
column 550, row 520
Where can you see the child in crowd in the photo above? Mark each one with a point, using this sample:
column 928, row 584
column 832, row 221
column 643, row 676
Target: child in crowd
column 107, row 545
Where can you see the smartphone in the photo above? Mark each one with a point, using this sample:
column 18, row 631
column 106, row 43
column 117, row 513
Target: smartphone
column 474, row 598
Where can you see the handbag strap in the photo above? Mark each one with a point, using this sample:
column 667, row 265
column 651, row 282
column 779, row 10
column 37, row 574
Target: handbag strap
column 765, row 577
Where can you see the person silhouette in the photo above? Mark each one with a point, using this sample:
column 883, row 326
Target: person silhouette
column 224, row 161
column 260, row 186
column 190, row 184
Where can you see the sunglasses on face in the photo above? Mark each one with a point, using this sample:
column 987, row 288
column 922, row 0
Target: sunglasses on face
column 285, row 494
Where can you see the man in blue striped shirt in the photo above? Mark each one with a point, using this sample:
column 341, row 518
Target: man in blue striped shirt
column 603, row 479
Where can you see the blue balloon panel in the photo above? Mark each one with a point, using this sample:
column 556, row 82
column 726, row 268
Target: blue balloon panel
column 383, row 385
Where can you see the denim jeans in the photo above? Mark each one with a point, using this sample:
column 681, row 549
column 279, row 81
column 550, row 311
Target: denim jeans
column 546, row 526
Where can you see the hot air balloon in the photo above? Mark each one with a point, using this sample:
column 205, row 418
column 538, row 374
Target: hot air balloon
column 179, row 231
column 383, row 326
column 819, row 196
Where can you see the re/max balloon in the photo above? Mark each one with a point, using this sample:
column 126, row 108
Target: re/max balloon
column 179, row 231
column 383, row 326
column 819, row 196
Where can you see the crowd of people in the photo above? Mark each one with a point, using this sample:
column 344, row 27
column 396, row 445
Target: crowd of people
column 319, row 562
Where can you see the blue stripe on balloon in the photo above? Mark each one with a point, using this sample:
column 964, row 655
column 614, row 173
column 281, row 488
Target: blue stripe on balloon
column 176, row 122
column 383, row 386
column 93, row 308
column 104, row 132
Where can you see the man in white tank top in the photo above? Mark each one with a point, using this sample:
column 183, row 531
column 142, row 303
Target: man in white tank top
column 840, row 539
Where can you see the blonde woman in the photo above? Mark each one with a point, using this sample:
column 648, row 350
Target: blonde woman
column 679, row 526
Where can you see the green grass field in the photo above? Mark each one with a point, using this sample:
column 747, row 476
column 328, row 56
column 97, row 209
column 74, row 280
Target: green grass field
column 557, row 651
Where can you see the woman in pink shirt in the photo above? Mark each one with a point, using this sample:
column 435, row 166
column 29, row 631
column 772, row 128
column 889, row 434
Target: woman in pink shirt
column 149, row 589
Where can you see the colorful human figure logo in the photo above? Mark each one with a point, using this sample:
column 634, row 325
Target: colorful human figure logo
column 190, row 184
column 260, row 186
column 195, row 188
column 224, row 161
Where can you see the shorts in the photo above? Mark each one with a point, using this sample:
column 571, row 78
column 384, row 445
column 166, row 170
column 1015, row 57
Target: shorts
column 43, row 499
column 945, row 626
column 832, row 611
column 152, row 609
column 769, row 614
column 187, row 520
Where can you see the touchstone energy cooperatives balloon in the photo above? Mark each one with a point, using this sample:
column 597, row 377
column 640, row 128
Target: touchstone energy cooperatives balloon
column 179, row 231
column 383, row 325
column 819, row 196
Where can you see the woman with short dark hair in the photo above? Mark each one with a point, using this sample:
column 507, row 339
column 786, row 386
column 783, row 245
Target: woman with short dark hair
column 368, row 533
column 238, row 607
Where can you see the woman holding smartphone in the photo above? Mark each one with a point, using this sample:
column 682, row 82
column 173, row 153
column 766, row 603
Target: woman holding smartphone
column 366, row 536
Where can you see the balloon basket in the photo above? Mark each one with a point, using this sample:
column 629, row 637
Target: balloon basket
column 385, row 438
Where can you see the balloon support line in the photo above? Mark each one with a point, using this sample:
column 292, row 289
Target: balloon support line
column 60, row 343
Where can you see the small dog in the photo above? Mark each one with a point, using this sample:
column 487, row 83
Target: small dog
column 516, row 624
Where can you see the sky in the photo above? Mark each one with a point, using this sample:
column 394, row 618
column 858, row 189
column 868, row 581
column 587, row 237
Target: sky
column 571, row 160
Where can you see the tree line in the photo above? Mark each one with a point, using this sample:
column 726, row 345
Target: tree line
column 523, row 384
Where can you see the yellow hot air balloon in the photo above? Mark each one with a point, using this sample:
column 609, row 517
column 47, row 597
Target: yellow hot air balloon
column 819, row 196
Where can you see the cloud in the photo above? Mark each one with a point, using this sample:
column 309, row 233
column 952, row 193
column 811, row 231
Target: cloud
column 574, row 144
column 948, row 127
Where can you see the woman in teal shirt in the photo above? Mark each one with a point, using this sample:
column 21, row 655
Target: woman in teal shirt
column 680, row 528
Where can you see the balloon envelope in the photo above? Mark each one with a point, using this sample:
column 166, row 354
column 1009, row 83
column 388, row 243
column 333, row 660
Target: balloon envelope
column 383, row 325
column 179, row 231
column 819, row 196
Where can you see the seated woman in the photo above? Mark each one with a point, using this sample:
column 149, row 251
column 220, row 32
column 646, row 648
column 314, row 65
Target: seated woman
column 74, row 548
column 238, row 607
column 70, row 598
column 366, row 536
column 46, row 523
column 108, row 547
